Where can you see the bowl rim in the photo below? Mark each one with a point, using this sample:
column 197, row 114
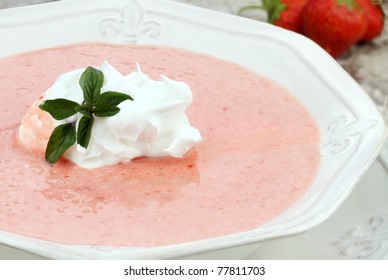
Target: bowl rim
column 304, row 49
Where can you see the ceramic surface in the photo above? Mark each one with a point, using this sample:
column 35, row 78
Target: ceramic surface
column 352, row 129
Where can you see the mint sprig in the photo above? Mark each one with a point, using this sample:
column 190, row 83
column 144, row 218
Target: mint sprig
column 95, row 104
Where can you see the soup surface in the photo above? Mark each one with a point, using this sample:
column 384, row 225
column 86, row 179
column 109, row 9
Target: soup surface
column 259, row 154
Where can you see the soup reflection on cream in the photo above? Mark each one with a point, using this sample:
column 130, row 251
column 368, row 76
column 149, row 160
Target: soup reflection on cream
column 258, row 155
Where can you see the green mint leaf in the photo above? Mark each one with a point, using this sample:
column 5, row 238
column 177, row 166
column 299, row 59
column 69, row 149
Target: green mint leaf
column 106, row 110
column 114, row 98
column 62, row 138
column 91, row 82
column 84, row 131
column 60, row 108
column 85, row 110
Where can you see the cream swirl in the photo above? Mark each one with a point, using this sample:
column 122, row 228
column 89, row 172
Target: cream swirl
column 154, row 124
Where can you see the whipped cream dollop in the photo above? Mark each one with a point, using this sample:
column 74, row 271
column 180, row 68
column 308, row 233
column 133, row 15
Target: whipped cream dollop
column 154, row 124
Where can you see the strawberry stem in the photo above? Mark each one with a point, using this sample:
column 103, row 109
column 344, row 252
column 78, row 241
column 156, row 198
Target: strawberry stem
column 249, row 8
column 377, row 2
column 350, row 4
column 272, row 7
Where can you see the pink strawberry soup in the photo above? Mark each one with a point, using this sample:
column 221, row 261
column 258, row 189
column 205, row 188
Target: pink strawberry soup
column 259, row 155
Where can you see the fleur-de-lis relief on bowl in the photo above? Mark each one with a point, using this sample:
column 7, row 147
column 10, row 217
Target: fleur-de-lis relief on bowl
column 364, row 242
column 130, row 24
column 342, row 133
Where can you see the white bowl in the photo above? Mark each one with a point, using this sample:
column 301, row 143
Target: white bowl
column 352, row 129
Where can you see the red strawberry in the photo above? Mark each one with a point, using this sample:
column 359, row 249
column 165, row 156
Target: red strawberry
column 375, row 18
column 285, row 13
column 336, row 25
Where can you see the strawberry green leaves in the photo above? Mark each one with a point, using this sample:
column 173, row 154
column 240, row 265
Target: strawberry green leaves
column 282, row 13
column 274, row 9
column 95, row 104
